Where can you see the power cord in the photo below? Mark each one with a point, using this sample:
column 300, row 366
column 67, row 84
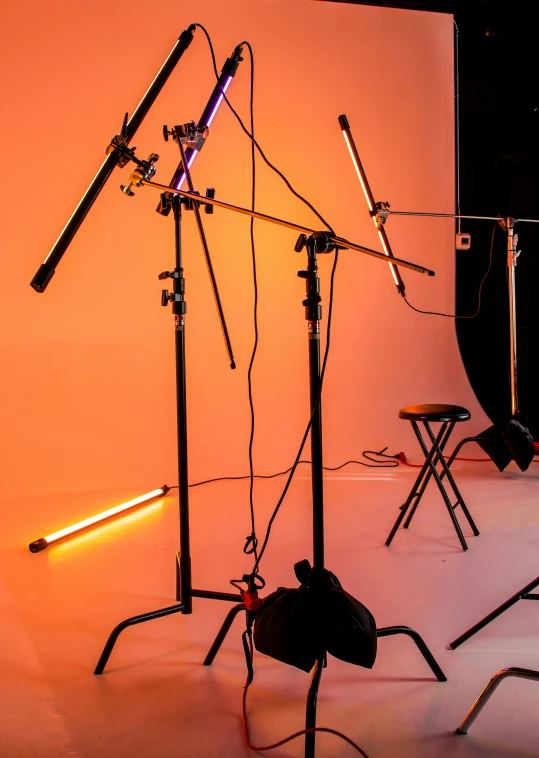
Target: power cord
column 388, row 464
column 451, row 315
column 292, row 736
column 252, row 539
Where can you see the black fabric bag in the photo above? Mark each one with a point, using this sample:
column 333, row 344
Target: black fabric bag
column 297, row 626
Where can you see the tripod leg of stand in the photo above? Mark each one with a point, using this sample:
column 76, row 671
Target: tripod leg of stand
column 488, row 690
column 310, row 711
column 422, row 647
column 107, row 650
column 522, row 595
column 223, row 631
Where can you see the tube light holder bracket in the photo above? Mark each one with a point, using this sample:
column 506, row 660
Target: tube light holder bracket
column 189, row 134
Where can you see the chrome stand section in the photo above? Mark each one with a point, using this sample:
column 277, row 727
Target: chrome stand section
column 489, row 688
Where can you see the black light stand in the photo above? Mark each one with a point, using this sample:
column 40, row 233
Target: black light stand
column 184, row 590
column 316, row 242
column 508, row 225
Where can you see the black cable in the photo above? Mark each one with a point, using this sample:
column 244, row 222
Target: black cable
column 251, row 137
column 315, row 408
column 451, row 315
column 300, row 197
column 374, row 464
column 251, row 545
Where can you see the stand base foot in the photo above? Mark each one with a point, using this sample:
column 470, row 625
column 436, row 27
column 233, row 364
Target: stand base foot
column 524, row 594
column 310, row 710
column 421, row 645
column 107, row 650
column 223, row 631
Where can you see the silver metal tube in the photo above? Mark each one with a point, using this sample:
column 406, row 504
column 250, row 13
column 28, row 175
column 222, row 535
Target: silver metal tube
column 512, row 255
column 458, row 215
column 489, row 688
column 341, row 241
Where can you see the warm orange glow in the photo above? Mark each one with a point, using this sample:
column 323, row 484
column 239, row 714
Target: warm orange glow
column 61, row 533
column 104, row 532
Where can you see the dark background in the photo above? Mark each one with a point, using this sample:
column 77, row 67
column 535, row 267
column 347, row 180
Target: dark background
column 498, row 76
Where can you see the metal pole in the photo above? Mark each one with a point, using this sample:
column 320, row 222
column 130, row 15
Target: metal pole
column 512, row 256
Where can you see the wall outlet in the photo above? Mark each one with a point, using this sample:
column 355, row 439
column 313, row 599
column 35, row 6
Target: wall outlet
column 463, row 241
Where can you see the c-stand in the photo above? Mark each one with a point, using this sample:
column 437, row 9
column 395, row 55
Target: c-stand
column 314, row 243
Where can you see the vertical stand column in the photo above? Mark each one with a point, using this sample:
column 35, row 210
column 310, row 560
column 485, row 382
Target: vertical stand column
column 512, row 255
column 313, row 314
column 179, row 309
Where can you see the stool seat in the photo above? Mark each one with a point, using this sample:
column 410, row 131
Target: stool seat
column 434, row 412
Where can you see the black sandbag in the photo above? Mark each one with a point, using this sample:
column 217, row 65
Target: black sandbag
column 296, row 626
column 287, row 627
column 494, row 445
column 350, row 628
column 519, row 440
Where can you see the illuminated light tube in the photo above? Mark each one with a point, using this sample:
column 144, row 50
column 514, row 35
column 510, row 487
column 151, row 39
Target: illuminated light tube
column 191, row 153
column 44, row 542
column 47, row 269
column 369, row 197
column 208, row 114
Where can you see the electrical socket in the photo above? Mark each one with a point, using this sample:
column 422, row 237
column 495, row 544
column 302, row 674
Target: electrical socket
column 463, row 241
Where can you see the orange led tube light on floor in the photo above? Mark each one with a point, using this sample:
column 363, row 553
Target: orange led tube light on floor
column 43, row 542
column 373, row 208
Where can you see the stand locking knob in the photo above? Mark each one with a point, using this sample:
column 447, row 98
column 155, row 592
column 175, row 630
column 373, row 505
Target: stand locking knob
column 210, row 192
column 165, row 297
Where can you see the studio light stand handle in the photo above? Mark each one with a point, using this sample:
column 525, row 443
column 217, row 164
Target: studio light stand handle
column 46, row 271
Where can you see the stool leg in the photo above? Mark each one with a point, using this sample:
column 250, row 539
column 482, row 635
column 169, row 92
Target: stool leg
column 444, row 493
column 460, row 501
column 442, row 440
column 413, row 491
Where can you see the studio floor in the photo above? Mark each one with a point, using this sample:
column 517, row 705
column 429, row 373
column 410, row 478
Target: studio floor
column 157, row 700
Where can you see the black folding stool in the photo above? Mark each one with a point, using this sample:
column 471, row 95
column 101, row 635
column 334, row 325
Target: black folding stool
column 448, row 416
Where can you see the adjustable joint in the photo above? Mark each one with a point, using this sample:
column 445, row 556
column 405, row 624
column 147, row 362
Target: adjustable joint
column 189, row 203
column 118, row 144
column 189, row 134
column 180, row 306
column 381, row 214
column 143, row 173
column 169, row 274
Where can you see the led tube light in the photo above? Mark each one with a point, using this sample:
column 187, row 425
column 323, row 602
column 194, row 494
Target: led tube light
column 44, row 542
column 208, row 114
column 46, row 271
column 345, row 126
column 191, row 153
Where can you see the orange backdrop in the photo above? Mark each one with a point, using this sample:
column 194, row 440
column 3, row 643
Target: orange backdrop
column 87, row 368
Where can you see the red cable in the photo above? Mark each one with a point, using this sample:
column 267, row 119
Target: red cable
column 292, row 736
column 403, row 460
